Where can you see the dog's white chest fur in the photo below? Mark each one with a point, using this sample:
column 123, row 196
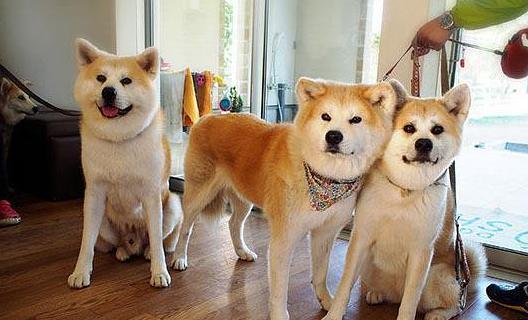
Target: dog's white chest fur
column 128, row 170
column 399, row 223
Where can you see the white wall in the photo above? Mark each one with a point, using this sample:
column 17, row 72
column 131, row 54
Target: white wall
column 130, row 26
column 399, row 26
column 37, row 40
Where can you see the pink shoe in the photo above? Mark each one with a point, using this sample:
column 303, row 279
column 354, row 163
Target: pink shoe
column 8, row 216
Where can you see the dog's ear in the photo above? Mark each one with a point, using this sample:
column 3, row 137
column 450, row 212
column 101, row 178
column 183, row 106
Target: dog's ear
column 148, row 60
column 457, row 101
column 5, row 86
column 401, row 93
column 309, row 89
column 384, row 96
column 85, row 52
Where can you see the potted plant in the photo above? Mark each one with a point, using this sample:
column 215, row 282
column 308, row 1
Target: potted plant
column 236, row 100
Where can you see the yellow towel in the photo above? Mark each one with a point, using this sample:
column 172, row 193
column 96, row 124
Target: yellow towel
column 204, row 95
column 191, row 113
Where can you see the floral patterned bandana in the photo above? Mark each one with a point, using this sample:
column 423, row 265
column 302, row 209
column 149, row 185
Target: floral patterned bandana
column 325, row 192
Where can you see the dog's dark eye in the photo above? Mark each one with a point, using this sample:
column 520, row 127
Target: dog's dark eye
column 437, row 130
column 326, row 117
column 101, row 78
column 355, row 119
column 126, row 81
column 409, row 128
column 21, row 97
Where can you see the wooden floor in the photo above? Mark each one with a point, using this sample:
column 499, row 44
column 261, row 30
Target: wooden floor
column 37, row 256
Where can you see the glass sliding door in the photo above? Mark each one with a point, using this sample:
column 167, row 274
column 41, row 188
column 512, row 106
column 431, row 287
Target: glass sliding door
column 206, row 51
column 336, row 40
column 492, row 169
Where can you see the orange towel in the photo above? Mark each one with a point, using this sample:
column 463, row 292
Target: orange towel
column 204, row 94
column 191, row 113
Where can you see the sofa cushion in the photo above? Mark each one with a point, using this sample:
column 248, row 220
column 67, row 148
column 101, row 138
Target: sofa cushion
column 45, row 156
column 52, row 124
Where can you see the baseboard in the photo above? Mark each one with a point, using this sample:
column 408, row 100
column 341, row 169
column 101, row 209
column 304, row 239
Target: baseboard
column 506, row 274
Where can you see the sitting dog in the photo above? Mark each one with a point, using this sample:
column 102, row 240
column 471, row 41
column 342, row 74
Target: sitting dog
column 125, row 158
column 402, row 243
column 305, row 175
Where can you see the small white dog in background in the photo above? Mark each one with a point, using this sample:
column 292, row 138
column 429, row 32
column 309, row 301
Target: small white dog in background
column 402, row 243
column 126, row 163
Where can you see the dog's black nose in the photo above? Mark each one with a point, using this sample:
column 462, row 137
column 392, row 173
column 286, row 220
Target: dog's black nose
column 35, row 109
column 334, row 137
column 423, row 145
column 109, row 94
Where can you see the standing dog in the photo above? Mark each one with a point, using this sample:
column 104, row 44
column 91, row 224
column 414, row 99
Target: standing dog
column 305, row 176
column 402, row 243
column 125, row 157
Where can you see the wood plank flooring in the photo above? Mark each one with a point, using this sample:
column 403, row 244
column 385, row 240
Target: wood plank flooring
column 37, row 256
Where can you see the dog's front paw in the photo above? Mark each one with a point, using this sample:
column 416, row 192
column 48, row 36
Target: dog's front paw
column 179, row 263
column 435, row 315
column 160, row 279
column 122, row 254
column 246, row 254
column 405, row 316
column 374, row 298
column 334, row 315
column 279, row 315
column 79, row 280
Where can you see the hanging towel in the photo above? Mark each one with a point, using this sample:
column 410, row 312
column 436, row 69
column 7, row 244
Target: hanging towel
column 191, row 113
column 204, row 92
column 172, row 86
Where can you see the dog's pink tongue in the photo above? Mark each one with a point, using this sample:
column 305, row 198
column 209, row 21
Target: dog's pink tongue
column 110, row 111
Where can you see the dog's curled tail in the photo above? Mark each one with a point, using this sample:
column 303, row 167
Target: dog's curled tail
column 477, row 262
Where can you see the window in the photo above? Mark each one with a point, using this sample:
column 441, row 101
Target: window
column 337, row 40
column 213, row 35
column 492, row 169
column 212, row 39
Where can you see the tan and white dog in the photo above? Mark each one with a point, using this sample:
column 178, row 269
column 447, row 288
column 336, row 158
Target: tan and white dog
column 402, row 243
column 15, row 104
column 125, row 158
column 290, row 171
